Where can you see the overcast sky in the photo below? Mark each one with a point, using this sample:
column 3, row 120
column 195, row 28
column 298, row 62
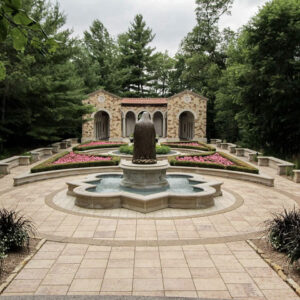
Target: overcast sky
column 170, row 20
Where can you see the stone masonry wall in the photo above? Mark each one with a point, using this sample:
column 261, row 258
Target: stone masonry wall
column 187, row 101
column 111, row 104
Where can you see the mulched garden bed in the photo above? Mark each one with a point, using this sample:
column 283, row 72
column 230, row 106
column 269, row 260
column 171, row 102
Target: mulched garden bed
column 13, row 259
column 279, row 259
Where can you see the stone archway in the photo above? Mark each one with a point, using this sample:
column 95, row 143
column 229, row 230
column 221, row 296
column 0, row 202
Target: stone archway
column 186, row 125
column 102, row 125
column 158, row 123
column 129, row 123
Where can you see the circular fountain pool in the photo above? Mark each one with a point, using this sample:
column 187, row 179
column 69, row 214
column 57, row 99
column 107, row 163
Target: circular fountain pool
column 104, row 191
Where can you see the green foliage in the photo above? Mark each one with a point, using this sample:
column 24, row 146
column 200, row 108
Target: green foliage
column 15, row 23
column 41, row 94
column 98, row 61
column 201, row 147
column 260, row 88
column 238, row 166
column 204, row 54
column 160, row 150
column 136, row 59
column 80, row 148
column 283, row 233
column 15, row 230
column 49, row 166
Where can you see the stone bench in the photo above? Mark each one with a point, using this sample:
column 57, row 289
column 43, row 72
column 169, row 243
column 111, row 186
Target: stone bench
column 218, row 143
column 12, row 162
column 214, row 141
column 55, row 147
column 63, row 145
column 69, row 142
column 231, row 148
column 239, row 151
column 280, row 165
column 224, row 146
column 296, row 176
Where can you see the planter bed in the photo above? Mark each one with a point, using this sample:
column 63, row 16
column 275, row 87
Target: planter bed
column 190, row 145
column 214, row 160
column 70, row 160
column 160, row 150
column 97, row 145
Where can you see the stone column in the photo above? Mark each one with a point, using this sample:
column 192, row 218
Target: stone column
column 124, row 125
column 164, row 126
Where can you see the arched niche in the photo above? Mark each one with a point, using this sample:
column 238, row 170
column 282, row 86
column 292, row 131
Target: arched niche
column 158, row 123
column 130, row 123
column 186, row 125
column 102, row 122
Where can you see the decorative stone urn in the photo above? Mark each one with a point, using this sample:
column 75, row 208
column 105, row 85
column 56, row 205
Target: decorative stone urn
column 146, row 177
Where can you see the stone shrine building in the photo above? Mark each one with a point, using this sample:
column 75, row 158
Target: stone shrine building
column 180, row 117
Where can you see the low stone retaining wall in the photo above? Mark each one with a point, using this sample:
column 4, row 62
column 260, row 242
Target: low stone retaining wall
column 296, row 176
column 36, row 155
column 280, row 165
column 11, row 162
column 34, row 177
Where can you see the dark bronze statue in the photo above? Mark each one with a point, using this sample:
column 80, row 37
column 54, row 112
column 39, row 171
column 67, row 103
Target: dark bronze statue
column 144, row 141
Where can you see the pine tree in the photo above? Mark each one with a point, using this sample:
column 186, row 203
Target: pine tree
column 100, row 53
column 136, row 59
column 41, row 94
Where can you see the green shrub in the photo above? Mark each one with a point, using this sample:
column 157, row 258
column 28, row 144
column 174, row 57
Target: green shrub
column 49, row 166
column 201, row 147
column 239, row 166
column 14, row 230
column 80, row 148
column 126, row 149
column 283, row 233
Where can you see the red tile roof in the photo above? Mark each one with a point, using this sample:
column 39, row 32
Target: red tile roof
column 144, row 101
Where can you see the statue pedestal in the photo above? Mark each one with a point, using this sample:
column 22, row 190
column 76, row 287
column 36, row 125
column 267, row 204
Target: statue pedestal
column 146, row 177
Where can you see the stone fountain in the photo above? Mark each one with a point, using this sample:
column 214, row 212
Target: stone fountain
column 143, row 185
column 144, row 171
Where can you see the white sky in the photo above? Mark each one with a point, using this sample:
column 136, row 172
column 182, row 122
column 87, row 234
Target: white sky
column 170, row 20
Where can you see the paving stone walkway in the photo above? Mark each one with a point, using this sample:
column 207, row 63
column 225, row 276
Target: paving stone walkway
column 201, row 256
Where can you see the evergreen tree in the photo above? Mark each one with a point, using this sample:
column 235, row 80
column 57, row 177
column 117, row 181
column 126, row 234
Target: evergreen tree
column 262, row 81
column 136, row 59
column 163, row 65
column 204, row 55
column 41, row 94
column 101, row 51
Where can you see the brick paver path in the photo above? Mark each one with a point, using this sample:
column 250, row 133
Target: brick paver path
column 193, row 257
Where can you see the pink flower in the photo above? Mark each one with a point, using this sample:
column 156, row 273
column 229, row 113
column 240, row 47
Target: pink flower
column 214, row 158
column 75, row 158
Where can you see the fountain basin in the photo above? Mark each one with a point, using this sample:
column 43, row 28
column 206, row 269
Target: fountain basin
column 144, row 177
column 89, row 193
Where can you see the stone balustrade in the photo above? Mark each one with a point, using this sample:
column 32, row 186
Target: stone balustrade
column 214, row 141
column 36, row 155
column 281, row 166
column 296, row 176
column 11, row 162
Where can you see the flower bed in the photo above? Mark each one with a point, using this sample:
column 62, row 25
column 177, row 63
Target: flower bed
column 97, row 145
column 69, row 160
column 214, row 160
column 191, row 145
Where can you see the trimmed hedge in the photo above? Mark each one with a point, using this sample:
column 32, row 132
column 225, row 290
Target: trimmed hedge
column 239, row 166
column 159, row 149
column 48, row 166
column 201, row 147
column 78, row 148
